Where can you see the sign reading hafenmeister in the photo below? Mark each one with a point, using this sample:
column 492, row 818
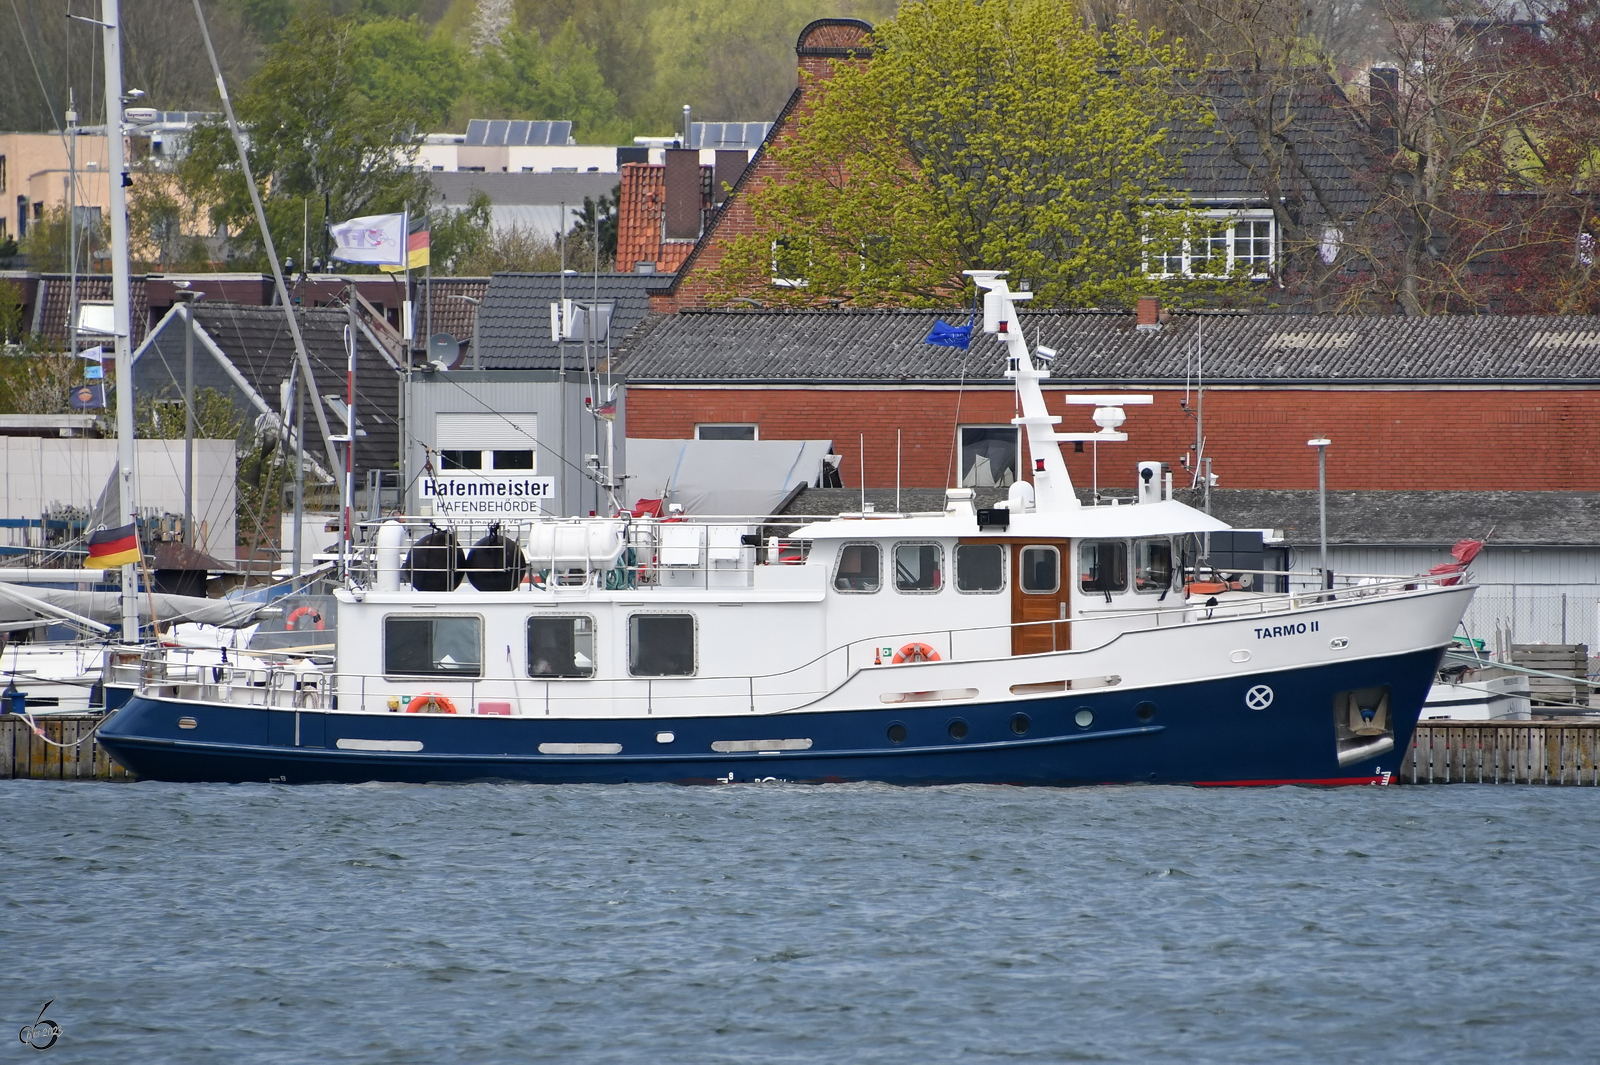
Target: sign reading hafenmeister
column 477, row 496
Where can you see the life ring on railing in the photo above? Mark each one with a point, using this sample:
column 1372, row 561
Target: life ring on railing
column 915, row 652
column 303, row 612
column 430, row 703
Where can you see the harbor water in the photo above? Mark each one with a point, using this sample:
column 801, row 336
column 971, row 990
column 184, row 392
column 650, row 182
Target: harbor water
column 778, row 923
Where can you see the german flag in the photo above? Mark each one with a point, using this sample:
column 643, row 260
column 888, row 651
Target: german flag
column 416, row 246
column 110, row 548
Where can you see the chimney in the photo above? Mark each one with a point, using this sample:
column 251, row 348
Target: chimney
column 1383, row 94
column 1149, row 315
column 683, row 194
column 729, row 169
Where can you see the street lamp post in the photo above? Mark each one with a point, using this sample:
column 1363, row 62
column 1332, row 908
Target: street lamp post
column 1321, row 444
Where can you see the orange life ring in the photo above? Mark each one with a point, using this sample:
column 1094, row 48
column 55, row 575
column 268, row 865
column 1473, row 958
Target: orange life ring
column 430, row 703
column 915, row 652
column 301, row 612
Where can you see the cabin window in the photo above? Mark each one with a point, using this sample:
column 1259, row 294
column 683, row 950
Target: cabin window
column 988, row 455
column 561, row 646
column 858, row 569
column 918, row 567
column 980, row 567
column 661, row 645
column 433, row 647
column 1040, row 568
column 1103, row 565
column 1152, row 566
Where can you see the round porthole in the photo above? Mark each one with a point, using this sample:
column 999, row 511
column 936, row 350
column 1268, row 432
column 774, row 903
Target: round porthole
column 958, row 729
column 1020, row 724
column 897, row 733
column 1144, row 712
column 1084, row 717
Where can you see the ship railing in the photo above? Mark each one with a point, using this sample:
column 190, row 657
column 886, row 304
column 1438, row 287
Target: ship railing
column 309, row 683
column 673, row 552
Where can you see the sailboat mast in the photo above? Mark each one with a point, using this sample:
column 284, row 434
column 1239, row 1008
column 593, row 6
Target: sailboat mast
column 121, row 299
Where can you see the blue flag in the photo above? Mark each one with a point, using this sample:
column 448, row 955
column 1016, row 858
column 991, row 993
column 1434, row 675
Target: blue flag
column 949, row 336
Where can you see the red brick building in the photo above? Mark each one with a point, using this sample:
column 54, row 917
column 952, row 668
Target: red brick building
column 1455, row 402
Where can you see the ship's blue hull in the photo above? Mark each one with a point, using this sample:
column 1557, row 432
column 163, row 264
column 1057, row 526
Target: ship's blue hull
column 1200, row 732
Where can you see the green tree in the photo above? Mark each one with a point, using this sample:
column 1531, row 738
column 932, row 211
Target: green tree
column 322, row 130
column 526, row 77
column 458, row 236
column 398, row 63
column 981, row 135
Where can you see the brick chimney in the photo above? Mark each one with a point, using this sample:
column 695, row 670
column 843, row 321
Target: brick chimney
column 829, row 39
column 1149, row 314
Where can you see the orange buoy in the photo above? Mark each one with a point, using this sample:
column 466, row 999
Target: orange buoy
column 915, row 652
column 430, row 703
column 303, row 612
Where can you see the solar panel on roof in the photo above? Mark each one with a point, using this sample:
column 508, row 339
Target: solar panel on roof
column 516, row 132
column 745, row 135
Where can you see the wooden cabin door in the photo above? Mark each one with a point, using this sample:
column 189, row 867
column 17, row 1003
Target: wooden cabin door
column 1041, row 574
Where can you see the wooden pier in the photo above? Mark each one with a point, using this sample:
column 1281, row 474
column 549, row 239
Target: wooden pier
column 1513, row 752
column 25, row 756
column 1521, row 752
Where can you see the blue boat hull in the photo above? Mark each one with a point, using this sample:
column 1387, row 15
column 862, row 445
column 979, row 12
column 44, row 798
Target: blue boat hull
column 1200, row 732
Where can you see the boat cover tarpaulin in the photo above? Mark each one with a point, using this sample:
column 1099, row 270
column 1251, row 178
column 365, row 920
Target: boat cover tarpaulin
column 710, row 477
column 105, row 607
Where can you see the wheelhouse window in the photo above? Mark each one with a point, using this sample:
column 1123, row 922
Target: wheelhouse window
column 731, row 431
column 988, row 456
column 561, row 646
column 1152, row 566
column 661, row 645
column 980, row 567
column 1040, row 569
column 432, row 647
column 1103, row 565
column 858, row 569
column 917, row 567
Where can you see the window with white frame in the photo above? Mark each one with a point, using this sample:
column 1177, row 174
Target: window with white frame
column 1223, row 244
column 791, row 262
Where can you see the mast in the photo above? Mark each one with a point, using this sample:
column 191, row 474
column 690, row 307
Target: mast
column 121, row 299
column 1052, row 486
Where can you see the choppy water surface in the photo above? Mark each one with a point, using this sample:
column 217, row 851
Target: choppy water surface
column 784, row 923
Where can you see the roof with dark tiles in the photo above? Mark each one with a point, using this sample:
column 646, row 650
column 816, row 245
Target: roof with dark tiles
column 1103, row 347
column 258, row 343
column 514, row 321
column 1322, row 143
column 54, row 323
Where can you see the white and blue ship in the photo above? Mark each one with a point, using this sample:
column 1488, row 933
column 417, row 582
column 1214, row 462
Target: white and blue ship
column 1041, row 642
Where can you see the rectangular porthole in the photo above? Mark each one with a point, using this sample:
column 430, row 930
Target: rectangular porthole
column 746, row 746
column 1046, row 687
column 580, row 748
column 939, row 695
column 378, row 745
column 188, row 722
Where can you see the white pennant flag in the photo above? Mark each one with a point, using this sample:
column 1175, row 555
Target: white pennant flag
column 94, row 354
column 378, row 239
